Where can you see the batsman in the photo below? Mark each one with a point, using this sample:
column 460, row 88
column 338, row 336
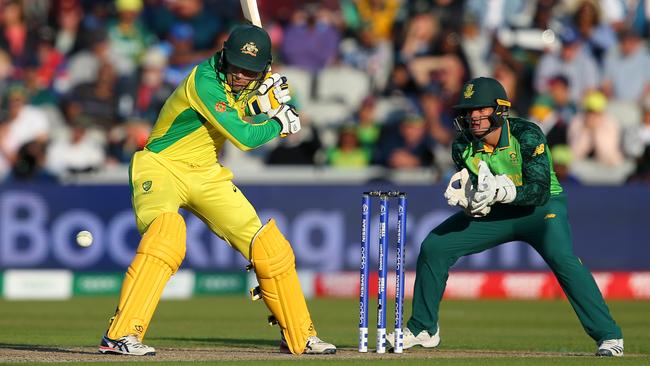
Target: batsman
column 179, row 168
column 508, row 191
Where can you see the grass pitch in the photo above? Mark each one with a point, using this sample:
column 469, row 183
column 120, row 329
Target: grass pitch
column 233, row 330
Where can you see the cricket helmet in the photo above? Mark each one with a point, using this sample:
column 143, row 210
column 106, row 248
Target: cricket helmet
column 479, row 93
column 248, row 47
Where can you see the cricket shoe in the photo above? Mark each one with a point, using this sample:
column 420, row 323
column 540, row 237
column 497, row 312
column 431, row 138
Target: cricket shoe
column 127, row 345
column 423, row 339
column 315, row 346
column 610, row 348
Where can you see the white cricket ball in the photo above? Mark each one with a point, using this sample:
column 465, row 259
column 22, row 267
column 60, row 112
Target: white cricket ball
column 84, row 238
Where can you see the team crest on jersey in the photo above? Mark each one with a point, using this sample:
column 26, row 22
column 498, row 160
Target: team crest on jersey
column 469, row 91
column 249, row 49
column 513, row 157
column 539, row 150
column 220, row 106
column 146, row 185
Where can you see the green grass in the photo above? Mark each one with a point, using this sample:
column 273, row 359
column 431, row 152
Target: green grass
column 512, row 326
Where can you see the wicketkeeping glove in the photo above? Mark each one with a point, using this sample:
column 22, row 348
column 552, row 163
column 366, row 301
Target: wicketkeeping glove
column 288, row 119
column 273, row 92
column 492, row 189
column 458, row 189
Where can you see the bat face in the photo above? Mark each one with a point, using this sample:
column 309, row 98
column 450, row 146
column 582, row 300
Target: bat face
column 249, row 8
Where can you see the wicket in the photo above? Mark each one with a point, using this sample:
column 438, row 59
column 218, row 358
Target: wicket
column 382, row 270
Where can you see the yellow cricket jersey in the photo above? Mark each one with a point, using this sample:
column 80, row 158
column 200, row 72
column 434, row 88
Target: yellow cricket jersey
column 201, row 115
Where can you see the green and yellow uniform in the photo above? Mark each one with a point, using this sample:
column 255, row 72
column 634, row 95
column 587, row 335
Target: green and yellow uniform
column 179, row 166
column 538, row 216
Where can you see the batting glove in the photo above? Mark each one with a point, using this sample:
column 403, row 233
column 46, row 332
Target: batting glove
column 273, row 92
column 288, row 119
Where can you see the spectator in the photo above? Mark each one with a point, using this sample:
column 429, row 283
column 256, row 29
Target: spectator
column 84, row 66
column 554, row 111
column 562, row 159
column 181, row 53
column 370, row 55
column 420, row 35
column 23, row 124
column 297, row 149
column 127, row 37
column 15, row 36
column 401, row 83
column 126, row 139
column 206, row 23
column 438, row 120
column 30, row 163
column 6, row 69
column 152, row 90
column 407, row 146
column 367, row 125
column 79, row 150
column 379, row 16
column 348, row 152
column 310, row 41
column 637, row 145
column 579, row 67
column 71, row 35
column 626, row 72
column 594, row 134
column 598, row 36
column 98, row 100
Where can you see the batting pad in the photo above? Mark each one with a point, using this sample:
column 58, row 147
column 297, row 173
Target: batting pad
column 160, row 253
column 275, row 267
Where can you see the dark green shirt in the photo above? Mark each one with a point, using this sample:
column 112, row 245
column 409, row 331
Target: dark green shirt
column 522, row 154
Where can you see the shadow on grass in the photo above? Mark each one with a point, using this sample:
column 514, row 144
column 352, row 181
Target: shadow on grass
column 40, row 348
column 225, row 342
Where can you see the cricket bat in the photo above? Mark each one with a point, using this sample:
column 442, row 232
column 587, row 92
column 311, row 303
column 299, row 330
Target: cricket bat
column 249, row 8
column 252, row 14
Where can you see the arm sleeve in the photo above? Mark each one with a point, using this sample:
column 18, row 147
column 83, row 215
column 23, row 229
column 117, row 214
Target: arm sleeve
column 209, row 99
column 535, row 169
column 458, row 151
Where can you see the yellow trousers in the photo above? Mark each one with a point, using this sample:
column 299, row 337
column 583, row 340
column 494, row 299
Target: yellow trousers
column 160, row 185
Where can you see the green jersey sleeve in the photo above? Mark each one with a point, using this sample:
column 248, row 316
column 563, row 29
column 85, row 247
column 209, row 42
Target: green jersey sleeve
column 208, row 96
column 459, row 152
column 535, row 166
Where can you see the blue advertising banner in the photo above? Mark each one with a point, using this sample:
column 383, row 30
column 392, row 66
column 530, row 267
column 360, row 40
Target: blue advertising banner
column 38, row 224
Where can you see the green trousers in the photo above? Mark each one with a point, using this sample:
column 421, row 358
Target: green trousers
column 546, row 228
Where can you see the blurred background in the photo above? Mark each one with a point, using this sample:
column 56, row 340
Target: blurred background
column 81, row 84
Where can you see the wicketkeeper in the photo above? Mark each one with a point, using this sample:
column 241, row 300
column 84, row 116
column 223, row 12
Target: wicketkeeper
column 508, row 191
column 179, row 168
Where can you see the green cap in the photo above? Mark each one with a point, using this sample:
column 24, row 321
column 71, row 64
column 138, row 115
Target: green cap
column 248, row 47
column 482, row 92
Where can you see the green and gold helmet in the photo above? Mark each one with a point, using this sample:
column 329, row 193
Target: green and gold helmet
column 248, row 47
column 479, row 93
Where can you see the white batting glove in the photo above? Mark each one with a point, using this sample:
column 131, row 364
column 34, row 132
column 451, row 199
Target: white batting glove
column 288, row 119
column 271, row 94
column 458, row 189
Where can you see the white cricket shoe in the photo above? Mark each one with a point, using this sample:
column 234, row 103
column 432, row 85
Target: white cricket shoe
column 610, row 348
column 127, row 345
column 314, row 346
column 423, row 339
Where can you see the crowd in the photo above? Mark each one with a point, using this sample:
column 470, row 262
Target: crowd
column 82, row 81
